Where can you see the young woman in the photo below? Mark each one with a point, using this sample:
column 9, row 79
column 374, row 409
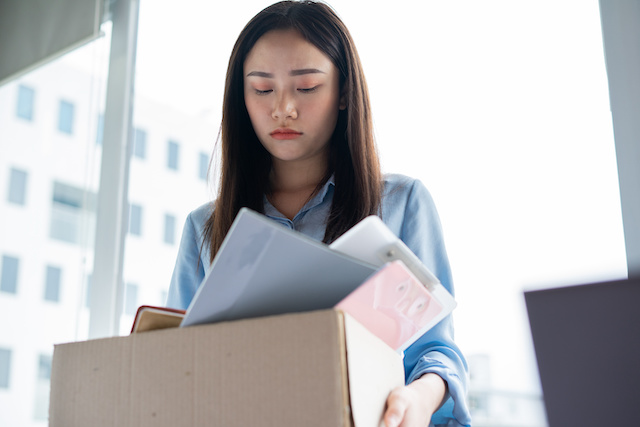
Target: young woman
column 298, row 146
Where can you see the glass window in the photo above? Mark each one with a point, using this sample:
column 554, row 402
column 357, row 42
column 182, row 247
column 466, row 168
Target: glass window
column 9, row 278
column 47, row 201
column 44, row 367
column 42, row 387
column 17, row 186
column 169, row 229
column 65, row 117
column 135, row 220
column 173, row 151
column 131, row 299
column 73, row 214
column 140, row 143
column 203, row 163
column 52, row 284
column 24, row 107
column 100, row 129
column 5, row 367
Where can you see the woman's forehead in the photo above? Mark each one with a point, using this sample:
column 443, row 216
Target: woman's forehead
column 284, row 51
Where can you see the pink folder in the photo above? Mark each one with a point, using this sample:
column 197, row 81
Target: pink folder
column 394, row 305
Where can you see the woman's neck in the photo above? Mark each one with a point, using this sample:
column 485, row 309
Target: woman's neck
column 293, row 184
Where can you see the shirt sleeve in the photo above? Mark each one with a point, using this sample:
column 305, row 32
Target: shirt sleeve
column 436, row 350
column 189, row 271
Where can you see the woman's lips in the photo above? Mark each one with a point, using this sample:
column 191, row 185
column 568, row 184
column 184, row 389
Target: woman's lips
column 285, row 134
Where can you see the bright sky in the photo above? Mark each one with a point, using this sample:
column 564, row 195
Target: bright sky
column 500, row 107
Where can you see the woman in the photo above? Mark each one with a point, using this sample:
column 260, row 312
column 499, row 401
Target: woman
column 298, row 146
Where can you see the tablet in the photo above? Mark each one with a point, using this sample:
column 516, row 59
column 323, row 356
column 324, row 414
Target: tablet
column 372, row 242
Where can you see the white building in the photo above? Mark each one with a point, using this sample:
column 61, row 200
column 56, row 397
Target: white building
column 50, row 152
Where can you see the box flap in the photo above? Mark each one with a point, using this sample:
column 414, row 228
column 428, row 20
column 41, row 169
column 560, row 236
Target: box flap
column 375, row 369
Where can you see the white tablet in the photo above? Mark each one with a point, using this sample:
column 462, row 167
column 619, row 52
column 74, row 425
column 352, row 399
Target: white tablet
column 371, row 241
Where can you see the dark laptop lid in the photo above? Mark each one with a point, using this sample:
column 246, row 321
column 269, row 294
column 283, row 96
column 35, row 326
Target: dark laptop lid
column 587, row 344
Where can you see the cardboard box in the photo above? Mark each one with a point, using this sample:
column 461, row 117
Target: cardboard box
column 318, row 368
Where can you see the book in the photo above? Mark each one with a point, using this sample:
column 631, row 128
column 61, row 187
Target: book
column 150, row 318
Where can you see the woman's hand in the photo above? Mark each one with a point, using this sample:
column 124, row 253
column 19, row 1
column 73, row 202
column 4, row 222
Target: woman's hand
column 414, row 404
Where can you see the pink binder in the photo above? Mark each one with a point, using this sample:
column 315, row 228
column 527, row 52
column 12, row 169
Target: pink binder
column 394, row 305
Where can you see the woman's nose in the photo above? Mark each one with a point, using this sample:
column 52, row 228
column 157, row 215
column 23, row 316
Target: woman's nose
column 284, row 108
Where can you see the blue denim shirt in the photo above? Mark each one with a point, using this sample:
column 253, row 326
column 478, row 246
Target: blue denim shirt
column 408, row 210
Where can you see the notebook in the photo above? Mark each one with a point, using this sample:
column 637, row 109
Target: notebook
column 587, row 345
column 263, row 268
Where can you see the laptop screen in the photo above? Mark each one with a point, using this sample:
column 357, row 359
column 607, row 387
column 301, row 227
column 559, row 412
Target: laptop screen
column 587, row 344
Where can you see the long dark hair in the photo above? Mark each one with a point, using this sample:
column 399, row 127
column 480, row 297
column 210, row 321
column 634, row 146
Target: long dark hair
column 246, row 164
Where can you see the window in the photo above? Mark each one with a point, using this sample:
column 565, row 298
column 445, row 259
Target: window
column 140, row 143
column 5, row 367
column 169, row 229
column 135, row 220
column 100, row 129
column 44, row 367
column 24, row 108
column 203, row 166
column 52, row 284
column 73, row 213
column 41, row 407
column 17, row 186
column 173, row 151
column 131, row 299
column 9, row 278
column 65, row 117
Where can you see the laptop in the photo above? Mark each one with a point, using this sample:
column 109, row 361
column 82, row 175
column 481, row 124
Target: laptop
column 263, row 268
column 587, row 345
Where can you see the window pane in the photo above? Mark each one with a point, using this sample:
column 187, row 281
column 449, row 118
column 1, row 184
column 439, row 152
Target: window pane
column 131, row 299
column 73, row 214
column 172, row 155
column 169, row 229
column 17, row 186
column 24, row 108
column 65, row 117
column 5, row 367
column 9, row 278
column 52, row 284
column 203, row 165
column 44, row 367
column 140, row 143
column 135, row 220
column 46, row 246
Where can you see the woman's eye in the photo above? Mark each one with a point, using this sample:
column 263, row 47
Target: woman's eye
column 308, row 90
column 263, row 92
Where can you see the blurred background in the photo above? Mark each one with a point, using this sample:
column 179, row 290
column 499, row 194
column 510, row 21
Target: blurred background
column 500, row 107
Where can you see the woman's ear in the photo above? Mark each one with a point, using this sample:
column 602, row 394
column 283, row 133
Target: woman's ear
column 343, row 99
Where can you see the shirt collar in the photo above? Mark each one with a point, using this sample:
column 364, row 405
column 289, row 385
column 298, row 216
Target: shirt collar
column 320, row 197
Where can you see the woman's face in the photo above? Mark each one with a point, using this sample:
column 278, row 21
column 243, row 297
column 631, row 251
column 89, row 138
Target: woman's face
column 292, row 94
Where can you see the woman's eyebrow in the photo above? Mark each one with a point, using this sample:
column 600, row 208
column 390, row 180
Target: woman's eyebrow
column 300, row 72
column 306, row 71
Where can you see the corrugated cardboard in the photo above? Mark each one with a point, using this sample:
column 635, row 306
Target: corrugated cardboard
column 319, row 368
